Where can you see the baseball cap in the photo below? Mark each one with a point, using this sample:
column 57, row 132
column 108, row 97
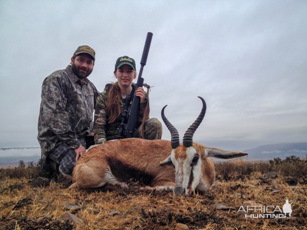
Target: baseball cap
column 124, row 60
column 85, row 50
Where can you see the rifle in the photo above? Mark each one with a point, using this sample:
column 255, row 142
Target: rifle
column 133, row 113
column 124, row 115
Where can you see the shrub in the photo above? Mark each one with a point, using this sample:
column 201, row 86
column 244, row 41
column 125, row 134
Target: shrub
column 290, row 167
column 30, row 172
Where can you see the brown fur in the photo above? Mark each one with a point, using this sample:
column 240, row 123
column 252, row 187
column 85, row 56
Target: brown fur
column 180, row 152
column 207, row 167
column 138, row 159
column 141, row 159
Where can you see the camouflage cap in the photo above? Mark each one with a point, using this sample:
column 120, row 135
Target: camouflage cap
column 124, row 60
column 84, row 50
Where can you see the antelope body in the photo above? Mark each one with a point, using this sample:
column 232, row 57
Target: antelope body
column 156, row 163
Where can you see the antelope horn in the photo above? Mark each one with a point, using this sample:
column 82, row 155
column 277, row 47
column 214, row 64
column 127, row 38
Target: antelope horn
column 188, row 136
column 174, row 133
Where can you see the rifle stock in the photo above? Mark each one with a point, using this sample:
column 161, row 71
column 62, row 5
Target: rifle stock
column 133, row 113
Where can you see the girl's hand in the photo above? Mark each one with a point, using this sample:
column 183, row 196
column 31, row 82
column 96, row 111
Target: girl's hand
column 140, row 93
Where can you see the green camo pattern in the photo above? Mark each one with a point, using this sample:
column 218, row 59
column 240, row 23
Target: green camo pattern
column 66, row 109
column 102, row 128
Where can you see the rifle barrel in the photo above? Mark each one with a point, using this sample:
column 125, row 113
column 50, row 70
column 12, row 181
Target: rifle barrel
column 133, row 113
column 146, row 48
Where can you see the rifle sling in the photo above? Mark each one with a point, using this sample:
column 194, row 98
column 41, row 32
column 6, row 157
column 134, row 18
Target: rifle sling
column 146, row 112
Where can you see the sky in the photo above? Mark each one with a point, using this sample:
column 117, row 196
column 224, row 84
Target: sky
column 247, row 59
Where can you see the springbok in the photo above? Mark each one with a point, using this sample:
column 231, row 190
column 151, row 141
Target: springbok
column 159, row 164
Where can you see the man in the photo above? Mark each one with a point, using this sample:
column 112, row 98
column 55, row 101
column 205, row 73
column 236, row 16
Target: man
column 66, row 112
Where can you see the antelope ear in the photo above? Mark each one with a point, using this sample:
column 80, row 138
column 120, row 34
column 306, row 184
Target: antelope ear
column 223, row 154
column 167, row 161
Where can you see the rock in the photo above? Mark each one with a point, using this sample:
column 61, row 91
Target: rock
column 180, row 226
column 114, row 212
column 94, row 211
column 72, row 217
column 293, row 187
column 71, row 206
column 269, row 175
column 219, row 206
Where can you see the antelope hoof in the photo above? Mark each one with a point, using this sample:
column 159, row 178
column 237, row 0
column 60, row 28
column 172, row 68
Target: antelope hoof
column 123, row 185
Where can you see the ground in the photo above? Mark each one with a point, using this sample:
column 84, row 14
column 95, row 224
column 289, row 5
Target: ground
column 25, row 206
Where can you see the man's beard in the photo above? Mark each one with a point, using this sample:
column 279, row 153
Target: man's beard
column 79, row 74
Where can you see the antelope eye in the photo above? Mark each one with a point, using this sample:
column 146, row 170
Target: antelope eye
column 195, row 160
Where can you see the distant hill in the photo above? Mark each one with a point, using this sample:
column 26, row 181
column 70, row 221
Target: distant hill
column 264, row 152
column 15, row 160
column 19, row 148
column 278, row 150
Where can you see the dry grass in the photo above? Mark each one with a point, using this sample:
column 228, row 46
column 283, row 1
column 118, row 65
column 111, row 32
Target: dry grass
column 25, row 207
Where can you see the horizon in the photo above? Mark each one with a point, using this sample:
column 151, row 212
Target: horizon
column 34, row 147
column 24, row 153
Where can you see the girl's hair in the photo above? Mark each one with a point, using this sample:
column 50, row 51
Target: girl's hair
column 114, row 98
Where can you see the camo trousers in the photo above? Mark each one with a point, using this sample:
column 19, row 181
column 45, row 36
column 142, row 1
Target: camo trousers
column 152, row 130
column 63, row 155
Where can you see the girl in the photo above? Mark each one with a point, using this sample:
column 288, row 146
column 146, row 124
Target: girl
column 111, row 102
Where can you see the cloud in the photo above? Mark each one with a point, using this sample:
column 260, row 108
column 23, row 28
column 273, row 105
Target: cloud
column 245, row 58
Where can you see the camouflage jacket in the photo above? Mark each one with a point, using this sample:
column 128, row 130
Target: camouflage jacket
column 66, row 109
column 104, row 129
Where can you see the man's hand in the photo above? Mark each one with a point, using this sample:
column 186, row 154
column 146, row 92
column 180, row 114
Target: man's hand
column 79, row 151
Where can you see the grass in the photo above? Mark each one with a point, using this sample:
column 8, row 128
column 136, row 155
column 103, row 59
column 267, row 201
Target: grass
column 24, row 206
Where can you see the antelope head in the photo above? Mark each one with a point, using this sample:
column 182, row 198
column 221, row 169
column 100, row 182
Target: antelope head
column 185, row 158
